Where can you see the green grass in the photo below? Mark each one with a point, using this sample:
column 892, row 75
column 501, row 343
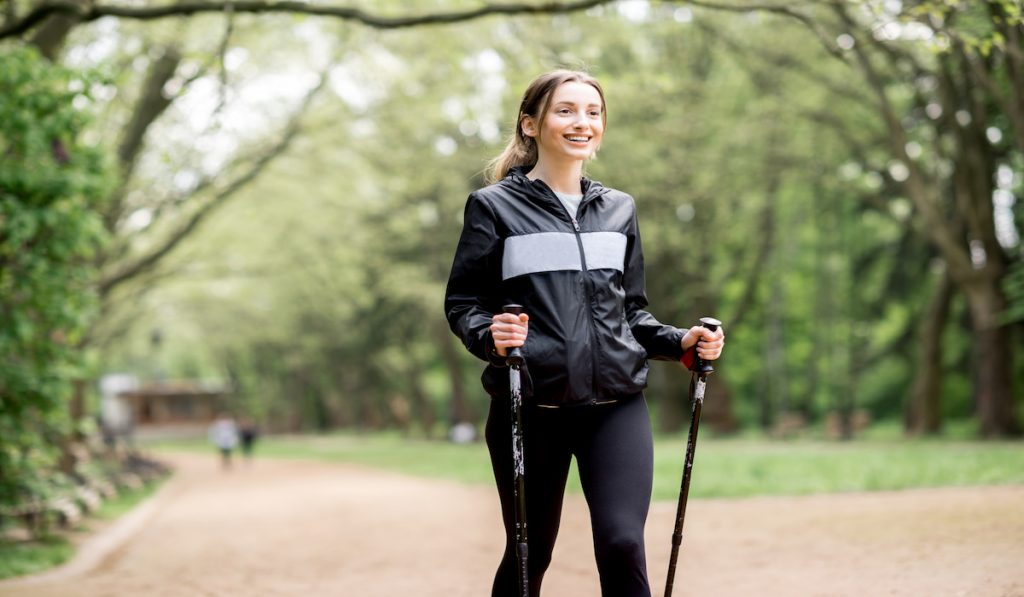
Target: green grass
column 741, row 468
column 123, row 503
column 722, row 468
column 25, row 557
column 18, row 558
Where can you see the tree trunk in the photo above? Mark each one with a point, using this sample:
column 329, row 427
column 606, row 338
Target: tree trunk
column 717, row 409
column 50, row 36
column 69, row 443
column 424, row 412
column 922, row 414
column 672, row 398
column 773, row 396
column 817, row 367
column 76, row 408
column 460, row 411
column 993, row 388
column 152, row 103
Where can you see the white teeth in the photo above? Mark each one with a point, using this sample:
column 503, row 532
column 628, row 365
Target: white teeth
column 582, row 139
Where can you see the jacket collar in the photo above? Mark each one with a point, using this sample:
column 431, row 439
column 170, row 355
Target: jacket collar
column 517, row 175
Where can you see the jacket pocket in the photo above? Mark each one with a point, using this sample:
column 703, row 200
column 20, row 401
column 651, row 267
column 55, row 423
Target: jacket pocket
column 631, row 339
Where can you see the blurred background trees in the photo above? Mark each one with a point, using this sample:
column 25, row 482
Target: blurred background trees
column 839, row 182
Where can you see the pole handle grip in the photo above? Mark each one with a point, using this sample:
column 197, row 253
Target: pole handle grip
column 515, row 355
column 712, row 324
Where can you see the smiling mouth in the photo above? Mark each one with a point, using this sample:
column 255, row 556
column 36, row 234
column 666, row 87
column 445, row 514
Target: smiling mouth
column 577, row 139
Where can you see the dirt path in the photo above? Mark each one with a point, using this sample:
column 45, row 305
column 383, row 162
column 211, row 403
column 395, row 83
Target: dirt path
column 305, row 528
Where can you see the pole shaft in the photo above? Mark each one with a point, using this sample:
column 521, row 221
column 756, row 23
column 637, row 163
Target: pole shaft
column 519, row 474
column 698, row 382
column 697, row 398
column 515, row 361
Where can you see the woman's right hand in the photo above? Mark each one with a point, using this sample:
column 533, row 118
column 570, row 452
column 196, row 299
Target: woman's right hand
column 509, row 331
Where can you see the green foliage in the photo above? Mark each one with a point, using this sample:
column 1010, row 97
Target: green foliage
column 762, row 171
column 51, row 187
column 980, row 26
column 1013, row 284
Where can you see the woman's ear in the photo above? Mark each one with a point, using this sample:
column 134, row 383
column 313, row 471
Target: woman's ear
column 527, row 126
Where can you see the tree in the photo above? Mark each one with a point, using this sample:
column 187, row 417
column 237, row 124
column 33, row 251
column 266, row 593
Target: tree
column 51, row 188
column 146, row 231
column 944, row 104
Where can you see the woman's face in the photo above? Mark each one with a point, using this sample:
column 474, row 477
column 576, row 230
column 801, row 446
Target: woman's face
column 572, row 127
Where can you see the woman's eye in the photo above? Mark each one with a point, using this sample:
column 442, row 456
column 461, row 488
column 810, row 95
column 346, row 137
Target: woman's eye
column 563, row 111
column 595, row 113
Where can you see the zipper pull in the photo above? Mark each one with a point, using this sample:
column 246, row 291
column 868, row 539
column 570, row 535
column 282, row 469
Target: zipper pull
column 575, row 224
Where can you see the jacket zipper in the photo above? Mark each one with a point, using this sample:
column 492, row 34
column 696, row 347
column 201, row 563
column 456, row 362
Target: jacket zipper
column 590, row 314
column 586, row 288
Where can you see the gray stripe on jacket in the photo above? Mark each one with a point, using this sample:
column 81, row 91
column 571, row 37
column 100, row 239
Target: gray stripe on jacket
column 558, row 251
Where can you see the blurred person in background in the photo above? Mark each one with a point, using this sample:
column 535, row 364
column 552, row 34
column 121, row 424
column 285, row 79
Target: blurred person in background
column 223, row 433
column 248, row 432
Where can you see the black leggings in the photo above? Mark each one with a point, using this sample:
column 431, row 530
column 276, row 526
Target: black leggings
column 614, row 450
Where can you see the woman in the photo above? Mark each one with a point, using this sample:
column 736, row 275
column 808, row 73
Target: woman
column 568, row 250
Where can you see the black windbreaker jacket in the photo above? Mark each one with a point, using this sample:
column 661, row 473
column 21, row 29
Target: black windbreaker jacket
column 581, row 281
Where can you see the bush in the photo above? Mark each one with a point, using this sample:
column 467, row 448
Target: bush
column 52, row 188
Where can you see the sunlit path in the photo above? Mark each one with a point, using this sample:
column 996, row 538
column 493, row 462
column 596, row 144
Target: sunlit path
column 305, row 528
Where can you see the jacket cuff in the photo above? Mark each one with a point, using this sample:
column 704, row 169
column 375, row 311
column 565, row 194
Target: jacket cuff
column 493, row 357
column 689, row 358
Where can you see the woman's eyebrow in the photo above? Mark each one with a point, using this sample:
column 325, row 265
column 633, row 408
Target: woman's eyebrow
column 569, row 103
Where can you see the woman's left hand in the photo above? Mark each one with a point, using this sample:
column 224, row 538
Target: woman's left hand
column 709, row 344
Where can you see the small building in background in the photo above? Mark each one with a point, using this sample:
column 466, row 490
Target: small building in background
column 165, row 408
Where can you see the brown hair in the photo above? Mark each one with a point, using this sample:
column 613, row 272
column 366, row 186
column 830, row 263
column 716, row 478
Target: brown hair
column 521, row 149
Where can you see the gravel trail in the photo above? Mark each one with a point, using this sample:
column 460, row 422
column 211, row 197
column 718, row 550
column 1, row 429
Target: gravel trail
column 293, row 528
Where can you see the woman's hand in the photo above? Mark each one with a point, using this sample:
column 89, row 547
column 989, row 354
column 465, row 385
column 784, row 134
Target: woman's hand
column 509, row 331
column 709, row 344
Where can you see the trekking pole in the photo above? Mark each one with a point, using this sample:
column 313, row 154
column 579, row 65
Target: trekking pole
column 515, row 360
column 697, row 384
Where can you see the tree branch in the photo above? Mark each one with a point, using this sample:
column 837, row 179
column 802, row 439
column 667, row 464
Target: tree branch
column 150, row 106
column 784, row 61
column 920, row 192
column 83, row 14
column 49, row 38
column 148, row 261
column 229, row 29
column 763, row 252
column 1009, row 103
column 778, row 9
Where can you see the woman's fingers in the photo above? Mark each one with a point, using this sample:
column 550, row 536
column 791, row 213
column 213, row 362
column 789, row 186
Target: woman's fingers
column 509, row 330
column 710, row 344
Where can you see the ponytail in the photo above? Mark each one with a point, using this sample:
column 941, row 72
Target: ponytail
column 520, row 151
